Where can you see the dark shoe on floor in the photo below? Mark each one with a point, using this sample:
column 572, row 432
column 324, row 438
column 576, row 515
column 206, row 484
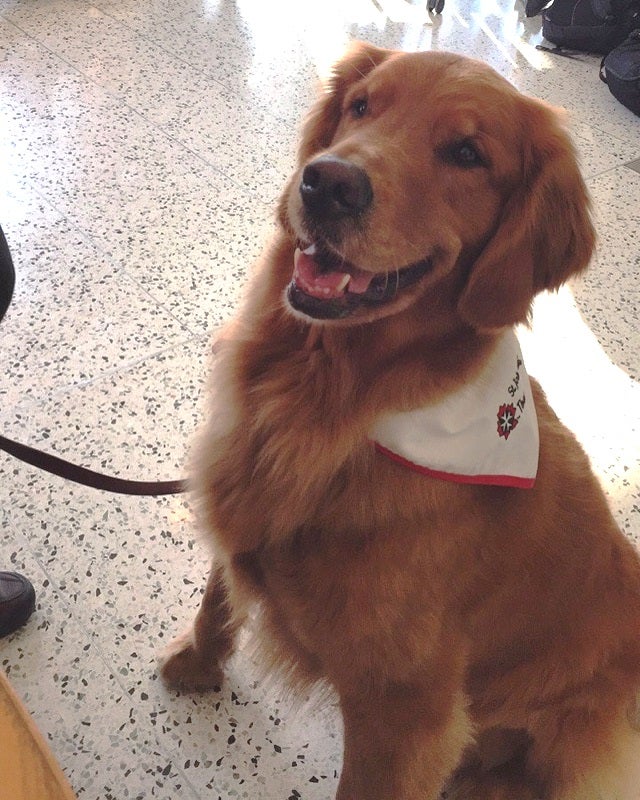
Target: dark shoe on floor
column 17, row 601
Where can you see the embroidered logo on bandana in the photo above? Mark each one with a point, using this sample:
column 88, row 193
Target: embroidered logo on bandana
column 507, row 420
column 485, row 433
column 508, row 414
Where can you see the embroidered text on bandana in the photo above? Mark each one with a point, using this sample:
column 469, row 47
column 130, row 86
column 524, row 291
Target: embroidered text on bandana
column 485, row 433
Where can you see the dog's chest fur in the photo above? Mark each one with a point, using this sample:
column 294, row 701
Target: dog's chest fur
column 291, row 501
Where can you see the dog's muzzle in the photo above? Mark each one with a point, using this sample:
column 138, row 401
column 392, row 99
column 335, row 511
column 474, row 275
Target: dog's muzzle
column 336, row 196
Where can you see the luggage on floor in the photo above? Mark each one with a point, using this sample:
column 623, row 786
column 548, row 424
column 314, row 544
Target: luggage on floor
column 595, row 26
column 620, row 70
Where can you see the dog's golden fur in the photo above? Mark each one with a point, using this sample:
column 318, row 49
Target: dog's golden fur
column 482, row 639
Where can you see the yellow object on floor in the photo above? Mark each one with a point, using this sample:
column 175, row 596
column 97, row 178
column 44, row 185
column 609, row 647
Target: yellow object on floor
column 28, row 769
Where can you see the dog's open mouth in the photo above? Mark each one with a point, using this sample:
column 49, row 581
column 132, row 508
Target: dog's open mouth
column 326, row 287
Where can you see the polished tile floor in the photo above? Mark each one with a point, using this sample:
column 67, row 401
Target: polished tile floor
column 142, row 144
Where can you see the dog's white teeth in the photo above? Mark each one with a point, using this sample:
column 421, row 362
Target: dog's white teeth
column 311, row 250
column 343, row 283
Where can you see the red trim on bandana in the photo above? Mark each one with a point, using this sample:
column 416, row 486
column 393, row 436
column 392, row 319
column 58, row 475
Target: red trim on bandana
column 483, row 480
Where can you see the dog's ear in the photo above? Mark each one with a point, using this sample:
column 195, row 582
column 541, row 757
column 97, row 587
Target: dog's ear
column 323, row 119
column 545, row 234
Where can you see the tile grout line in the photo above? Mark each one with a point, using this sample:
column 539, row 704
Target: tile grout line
column 208, row 76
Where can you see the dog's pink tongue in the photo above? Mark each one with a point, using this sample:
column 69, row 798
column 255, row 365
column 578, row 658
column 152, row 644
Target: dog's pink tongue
column 311, row 280
column 326, row 285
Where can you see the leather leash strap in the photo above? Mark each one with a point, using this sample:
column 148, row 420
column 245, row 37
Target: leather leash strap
column 87, row 477
column 53, row 464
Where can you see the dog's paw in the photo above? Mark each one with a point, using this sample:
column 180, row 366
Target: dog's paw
column 182, row 667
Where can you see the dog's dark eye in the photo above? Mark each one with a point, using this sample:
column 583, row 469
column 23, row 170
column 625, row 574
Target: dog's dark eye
column 359, row 107
column 464, row 154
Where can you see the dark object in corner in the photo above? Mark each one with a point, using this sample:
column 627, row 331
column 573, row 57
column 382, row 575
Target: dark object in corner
column 594, row 26
column 620, row 70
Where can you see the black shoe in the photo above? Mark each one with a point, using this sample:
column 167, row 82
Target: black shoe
column 17, row 601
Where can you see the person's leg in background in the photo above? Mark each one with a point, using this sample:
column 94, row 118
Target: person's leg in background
column 17, row 596
column 7, row 275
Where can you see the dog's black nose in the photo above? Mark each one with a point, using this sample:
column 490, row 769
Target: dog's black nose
column 333, row 187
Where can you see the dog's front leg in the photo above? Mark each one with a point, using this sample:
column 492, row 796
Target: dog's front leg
column 401, row 743
column 193, row 660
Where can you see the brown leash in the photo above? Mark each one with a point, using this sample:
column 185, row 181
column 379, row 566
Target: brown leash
column 53, row 464
column 87, row 477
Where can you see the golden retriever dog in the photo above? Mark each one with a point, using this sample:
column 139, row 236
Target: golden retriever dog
column 477, row 616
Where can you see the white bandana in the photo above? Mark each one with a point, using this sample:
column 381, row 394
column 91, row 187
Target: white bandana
column 485, row 433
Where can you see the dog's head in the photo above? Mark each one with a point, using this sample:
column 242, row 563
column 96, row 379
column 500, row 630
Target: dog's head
column 429, row 168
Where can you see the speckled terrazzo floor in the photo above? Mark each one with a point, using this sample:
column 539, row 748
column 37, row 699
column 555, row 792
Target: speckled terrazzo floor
column 142, row 143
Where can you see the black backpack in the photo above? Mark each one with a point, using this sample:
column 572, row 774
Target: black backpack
column 595, row 26
column 620, row 70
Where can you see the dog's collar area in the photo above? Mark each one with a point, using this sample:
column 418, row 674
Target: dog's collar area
column 325, row 287
column 485, row 433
